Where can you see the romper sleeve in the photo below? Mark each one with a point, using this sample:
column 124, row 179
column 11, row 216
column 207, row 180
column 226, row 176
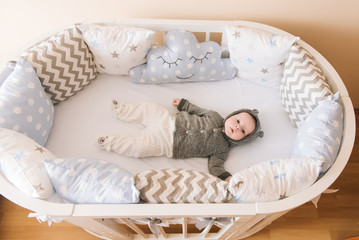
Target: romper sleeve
column 216, row 165
column 191, row 108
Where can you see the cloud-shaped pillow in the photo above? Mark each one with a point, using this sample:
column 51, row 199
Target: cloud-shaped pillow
column 183, row 59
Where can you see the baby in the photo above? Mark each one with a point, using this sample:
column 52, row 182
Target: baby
column 192, row 132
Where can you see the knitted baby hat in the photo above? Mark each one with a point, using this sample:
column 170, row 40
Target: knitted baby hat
column 249, row 138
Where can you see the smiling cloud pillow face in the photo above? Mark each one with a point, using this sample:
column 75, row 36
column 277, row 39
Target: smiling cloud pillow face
column 183, row 59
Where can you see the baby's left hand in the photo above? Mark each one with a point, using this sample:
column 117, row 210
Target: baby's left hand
column 228, row 179
column 176, row 101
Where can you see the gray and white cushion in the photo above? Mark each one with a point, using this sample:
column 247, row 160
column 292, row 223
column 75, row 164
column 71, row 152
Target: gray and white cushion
column 303, row 85
column 63, row 63
column 181, row 186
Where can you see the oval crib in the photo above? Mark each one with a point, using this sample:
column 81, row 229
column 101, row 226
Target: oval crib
column 112, row 221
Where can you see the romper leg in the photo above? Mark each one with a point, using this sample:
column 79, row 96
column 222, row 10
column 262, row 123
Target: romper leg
column 144, row 112
column 155, row 140
column 146, row 144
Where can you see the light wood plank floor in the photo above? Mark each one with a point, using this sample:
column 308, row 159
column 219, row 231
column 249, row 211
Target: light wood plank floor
column 337, row 216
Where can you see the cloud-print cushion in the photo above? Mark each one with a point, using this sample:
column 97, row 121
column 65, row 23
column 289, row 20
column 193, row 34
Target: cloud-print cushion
column 183, row 59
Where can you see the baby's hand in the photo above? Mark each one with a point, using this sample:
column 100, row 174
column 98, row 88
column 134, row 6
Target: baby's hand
column 228, row 179
column 176, row 101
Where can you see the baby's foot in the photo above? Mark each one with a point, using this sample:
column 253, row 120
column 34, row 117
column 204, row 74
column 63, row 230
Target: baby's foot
column 105, row 142
column 116, row 107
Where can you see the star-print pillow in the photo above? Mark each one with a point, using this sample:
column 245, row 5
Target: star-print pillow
column 274, row 180
column 117, row 48
column 321, row 133
column 24, row 105
column 21, row 163
column 183, row 59
column 258, row 55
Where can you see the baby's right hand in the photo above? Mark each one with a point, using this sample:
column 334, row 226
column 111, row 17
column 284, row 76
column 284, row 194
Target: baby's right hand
column 176, row 101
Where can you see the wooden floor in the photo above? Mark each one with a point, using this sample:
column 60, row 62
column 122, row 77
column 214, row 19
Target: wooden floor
column 337, row 216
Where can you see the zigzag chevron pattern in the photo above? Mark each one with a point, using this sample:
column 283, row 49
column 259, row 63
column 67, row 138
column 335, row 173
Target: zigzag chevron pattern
column 181, row 186
column 63, row 63
column 303, row 85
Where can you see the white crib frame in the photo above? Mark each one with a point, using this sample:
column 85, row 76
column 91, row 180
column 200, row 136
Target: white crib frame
column 249, row 217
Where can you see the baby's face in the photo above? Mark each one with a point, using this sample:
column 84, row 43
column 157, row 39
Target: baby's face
column 240, row 125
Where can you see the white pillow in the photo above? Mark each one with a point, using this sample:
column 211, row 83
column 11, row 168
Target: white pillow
column 117, row 49
column 21, row 163
column 87, row 180
column 258, row 55
column 274, row 180
column 321, row 133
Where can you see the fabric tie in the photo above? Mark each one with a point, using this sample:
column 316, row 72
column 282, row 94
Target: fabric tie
column 219, row 222
column 45, row 218
column 153, row 224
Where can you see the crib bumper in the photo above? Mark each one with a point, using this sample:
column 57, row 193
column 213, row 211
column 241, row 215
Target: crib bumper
column 101, row 219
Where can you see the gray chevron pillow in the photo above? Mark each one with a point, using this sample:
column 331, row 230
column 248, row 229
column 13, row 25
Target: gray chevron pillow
column 181, row 186
column 63, row 63
column 303, row 85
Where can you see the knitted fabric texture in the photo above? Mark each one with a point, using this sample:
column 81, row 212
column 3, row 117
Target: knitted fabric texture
column 156, row 139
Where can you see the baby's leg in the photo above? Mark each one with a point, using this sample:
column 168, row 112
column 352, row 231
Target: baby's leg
column 145, row 144
column 125, row 111
column 144, row 112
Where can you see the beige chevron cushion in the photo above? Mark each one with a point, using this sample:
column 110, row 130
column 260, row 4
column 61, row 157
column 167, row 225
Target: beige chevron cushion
column 303, row 85
column 63, row 63
column 181, row 186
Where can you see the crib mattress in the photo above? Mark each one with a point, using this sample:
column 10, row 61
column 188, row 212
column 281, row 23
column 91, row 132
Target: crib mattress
column 81, row 119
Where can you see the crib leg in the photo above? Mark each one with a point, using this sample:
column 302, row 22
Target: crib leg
column 239, row 227
column 262, row 224
column 164, row 234
column 101, row 227
column 134, row 227
column 185, row 227
column 206, row 230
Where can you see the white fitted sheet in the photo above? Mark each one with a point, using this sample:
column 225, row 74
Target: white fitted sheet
column 81, row 119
